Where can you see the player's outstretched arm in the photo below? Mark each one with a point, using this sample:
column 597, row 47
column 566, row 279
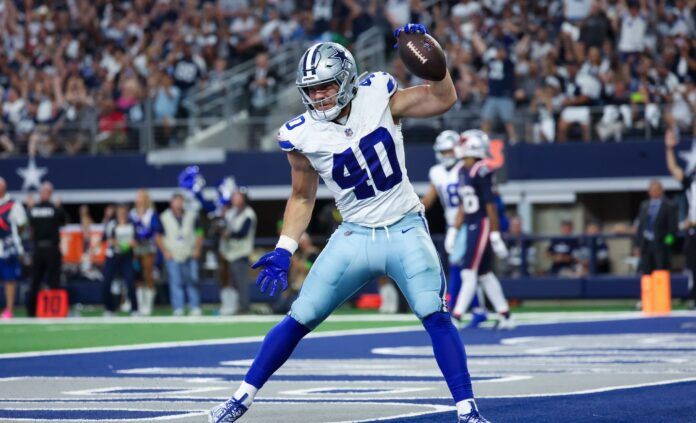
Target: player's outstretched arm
column 298, row 210
column 427, row 100
column 671, row 142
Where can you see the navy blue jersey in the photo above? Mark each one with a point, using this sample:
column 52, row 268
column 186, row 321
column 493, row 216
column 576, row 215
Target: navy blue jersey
column 501, row 78
column 475, row 191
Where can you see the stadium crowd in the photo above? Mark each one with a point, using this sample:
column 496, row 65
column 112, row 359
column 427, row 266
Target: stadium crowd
column 74, row 72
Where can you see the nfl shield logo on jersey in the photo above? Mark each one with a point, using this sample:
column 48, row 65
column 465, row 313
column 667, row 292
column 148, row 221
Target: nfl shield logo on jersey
column 349, row 132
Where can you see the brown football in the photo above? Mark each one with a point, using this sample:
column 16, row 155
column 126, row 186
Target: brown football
column 422, row 55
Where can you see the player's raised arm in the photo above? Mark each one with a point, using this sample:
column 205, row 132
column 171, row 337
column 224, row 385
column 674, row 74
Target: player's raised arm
column 423, row 57
column 671, row 141
column 298, row 209
column 427, row 100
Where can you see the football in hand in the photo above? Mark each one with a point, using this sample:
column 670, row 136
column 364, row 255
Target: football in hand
column 422, row 55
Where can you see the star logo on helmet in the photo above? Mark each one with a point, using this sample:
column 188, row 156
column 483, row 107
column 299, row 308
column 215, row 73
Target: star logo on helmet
column 340, row 55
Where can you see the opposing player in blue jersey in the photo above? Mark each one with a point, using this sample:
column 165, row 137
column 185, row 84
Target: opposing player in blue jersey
column 444, row 184
column 478, row 216
column 351, row 137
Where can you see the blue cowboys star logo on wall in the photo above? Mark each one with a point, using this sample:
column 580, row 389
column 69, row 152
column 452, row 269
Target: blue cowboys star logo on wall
column 31, row 174
column 339, row 55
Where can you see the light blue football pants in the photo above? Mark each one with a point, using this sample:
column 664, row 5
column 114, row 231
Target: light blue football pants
column 356, row 254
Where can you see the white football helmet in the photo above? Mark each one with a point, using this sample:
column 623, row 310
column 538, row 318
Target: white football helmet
column 322, row 63
column 446, row 141
column 475, row 143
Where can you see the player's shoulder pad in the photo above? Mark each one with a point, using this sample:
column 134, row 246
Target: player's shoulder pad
column 290, row 133
column 380, row 82
column 479, row 169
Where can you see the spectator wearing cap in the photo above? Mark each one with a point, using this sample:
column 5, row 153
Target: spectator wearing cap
column 500, row 103
column 562, row 251
column 236, row 245
column 180, row 239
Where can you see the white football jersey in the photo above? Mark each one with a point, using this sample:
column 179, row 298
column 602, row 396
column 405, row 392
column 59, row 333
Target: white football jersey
column 446, row 182
column 361, row 162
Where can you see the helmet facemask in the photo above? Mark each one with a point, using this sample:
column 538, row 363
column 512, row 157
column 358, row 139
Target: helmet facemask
column 342, row 97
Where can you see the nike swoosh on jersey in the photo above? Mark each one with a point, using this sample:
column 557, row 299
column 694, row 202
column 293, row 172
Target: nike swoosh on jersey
column 403, row 231
column 473, row 227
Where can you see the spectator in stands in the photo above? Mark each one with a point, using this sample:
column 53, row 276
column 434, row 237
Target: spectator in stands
column 631, row 24
column 236, row 245
column 562, row 252
column 522, row 253
column 656, row 230
column 166, row 97
column 120, row 242
column 187, row 68
column 593, row 252
column 79, row 115
column 261, row 88
column 146, row 221
column 499, row 103
column 12, row 219
column 45, row 219
column 582, row 91
column 596, row 29
column 181, row 240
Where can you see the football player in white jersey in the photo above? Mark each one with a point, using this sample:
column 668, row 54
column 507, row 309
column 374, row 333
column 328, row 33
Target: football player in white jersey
column 350, row 136
column 444, row 183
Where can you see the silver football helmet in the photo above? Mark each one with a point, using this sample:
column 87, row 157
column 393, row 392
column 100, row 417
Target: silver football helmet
column 322, row 63
column 475, row 143
column 446, row 141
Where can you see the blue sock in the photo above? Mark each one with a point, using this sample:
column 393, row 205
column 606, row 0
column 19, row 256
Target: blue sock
column 454, row 284
column 276, row 348
column 449, row 354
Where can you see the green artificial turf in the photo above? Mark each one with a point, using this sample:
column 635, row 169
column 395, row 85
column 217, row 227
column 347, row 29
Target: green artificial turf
column 54, row 336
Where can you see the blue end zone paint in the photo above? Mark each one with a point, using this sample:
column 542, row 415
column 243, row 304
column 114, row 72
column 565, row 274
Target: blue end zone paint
column 665, row 403
column 87, row 414
column 106, row 364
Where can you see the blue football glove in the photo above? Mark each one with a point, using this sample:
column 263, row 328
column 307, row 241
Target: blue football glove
column 275, row 270
column 409, row 29
column 191, row 179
